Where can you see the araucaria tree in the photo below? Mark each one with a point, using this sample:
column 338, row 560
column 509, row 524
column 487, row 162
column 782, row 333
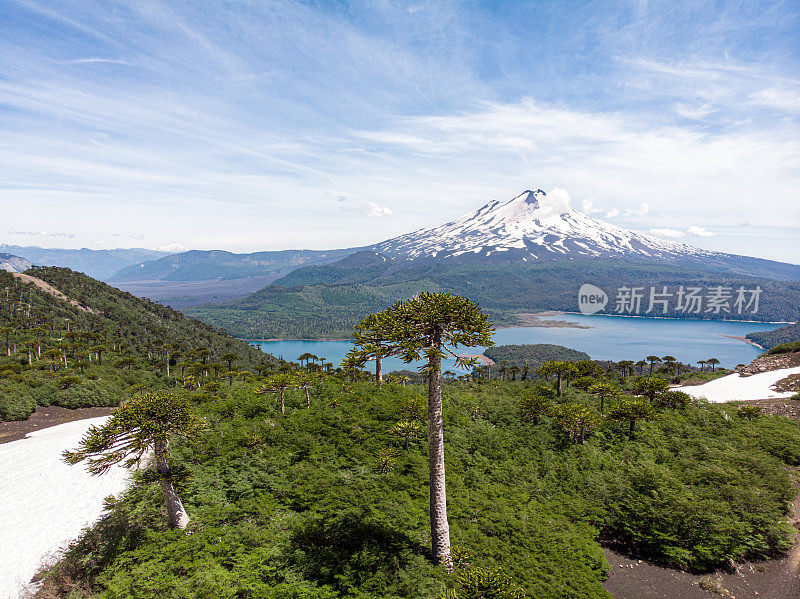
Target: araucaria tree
column 431, row 326
column 146, row 423
column 369, row 343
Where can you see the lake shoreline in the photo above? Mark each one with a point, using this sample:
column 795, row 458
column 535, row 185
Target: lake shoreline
column 534, row 319
column 745, row 339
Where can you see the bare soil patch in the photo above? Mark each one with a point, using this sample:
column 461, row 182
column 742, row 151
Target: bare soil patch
column 45, row 418
column 47, row 288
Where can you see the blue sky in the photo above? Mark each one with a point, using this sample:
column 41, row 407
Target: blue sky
column 268, row 125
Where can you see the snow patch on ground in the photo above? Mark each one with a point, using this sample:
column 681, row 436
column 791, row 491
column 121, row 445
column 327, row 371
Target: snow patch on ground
column 45, row 503
column 737, row 388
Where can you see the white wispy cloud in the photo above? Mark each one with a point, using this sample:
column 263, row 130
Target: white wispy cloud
column 588, row 206
column 671, row 233
column 642, row 209
column 366, row 208
column 786, row 99
column 100, row 60
column 700, row 231
column 694, row 112
column 41, row 234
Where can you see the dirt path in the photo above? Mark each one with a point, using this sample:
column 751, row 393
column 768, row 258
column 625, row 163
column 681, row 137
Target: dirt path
column 772, row 579
column 47, row 288
column 45, row 418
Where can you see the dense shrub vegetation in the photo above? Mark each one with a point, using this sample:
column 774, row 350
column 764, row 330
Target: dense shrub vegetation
column 326, row 501
column 784, row 348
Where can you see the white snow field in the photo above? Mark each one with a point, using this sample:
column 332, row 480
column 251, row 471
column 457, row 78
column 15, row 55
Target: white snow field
column 44, row 503
column 736, row 388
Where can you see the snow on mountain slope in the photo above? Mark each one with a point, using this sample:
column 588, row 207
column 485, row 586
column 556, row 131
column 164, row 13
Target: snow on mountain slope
column 172, row 248
column 11, row 263
column 530, row 227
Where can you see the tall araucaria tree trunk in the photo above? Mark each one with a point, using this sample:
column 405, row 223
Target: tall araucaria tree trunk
column 440, row 528
column 176, row 515
column 378, row 370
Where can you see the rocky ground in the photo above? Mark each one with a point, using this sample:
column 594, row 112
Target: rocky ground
column 770, row 362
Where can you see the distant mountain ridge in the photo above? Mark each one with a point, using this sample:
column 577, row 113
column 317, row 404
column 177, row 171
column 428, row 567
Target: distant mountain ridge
column 11, row 263
column 98, row 264
column 200, row 276
column 201, row 265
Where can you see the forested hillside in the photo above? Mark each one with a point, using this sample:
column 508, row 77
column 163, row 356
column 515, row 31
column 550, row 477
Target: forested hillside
column 768, row 339
column 326, row 301
column 533, row 355
column 70, row 340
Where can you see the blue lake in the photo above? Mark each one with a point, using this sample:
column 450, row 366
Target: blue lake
column 609, row 338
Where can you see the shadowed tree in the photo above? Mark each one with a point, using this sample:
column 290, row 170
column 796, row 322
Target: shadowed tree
column 558, row 368
column 229, row 358
column 575, row 420
column 304, row 381
column 713, row 363
column 603, row 390
column 278, row 383
column 672, row 399
column 407, row 430
column 650, row 386
column 631, row 410
column 748, row 412
column 669, row 362
column 431, row 326
column 230, row 375
column 626, row 367
column 533, row 406
column 168, row 349
column 146, row 423
column 307, row 357
column 39, row 331
column 653, row 360
column 100, row 349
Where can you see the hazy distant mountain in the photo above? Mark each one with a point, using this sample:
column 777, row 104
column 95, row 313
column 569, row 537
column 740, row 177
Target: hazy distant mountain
column 11, row 263
column 202, row 265
column 98, row 264
column 199, row 276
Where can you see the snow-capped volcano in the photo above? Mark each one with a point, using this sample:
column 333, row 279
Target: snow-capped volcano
column 530, row 227
column 173, row 248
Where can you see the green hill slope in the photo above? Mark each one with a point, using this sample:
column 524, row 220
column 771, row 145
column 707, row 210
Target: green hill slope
column 69, row 340
column 768, row 339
